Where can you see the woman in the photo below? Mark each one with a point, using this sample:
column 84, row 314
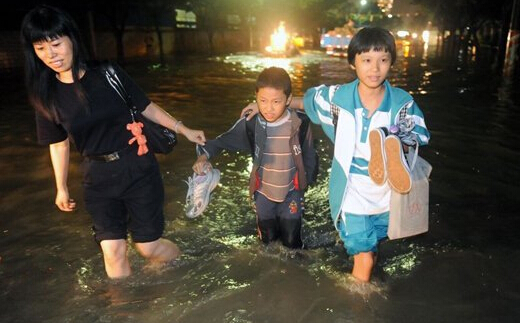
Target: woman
column 123, row 191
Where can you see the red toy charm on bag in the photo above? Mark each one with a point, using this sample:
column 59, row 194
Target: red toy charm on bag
column 136, row 130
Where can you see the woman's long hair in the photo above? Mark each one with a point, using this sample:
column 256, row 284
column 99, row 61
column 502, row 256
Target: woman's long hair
column 45, row 23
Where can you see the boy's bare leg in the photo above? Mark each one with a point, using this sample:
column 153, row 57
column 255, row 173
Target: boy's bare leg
column 363, row 264
column 160, row 250
column 116, row 259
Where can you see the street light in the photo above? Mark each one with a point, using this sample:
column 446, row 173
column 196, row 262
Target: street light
column 362, row 4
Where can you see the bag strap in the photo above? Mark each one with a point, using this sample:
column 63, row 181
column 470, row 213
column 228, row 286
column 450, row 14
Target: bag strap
column 114, row 82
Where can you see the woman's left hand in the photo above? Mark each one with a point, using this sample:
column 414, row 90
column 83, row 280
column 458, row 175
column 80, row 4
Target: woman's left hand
column 196, row 136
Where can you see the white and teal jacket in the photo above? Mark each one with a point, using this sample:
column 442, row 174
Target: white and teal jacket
column 317, row 103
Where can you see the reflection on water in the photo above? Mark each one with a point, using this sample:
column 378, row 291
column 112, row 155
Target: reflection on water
column 52, row 271
column 403, row 264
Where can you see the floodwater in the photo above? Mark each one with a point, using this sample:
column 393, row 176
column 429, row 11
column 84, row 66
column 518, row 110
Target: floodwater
column 465, row 269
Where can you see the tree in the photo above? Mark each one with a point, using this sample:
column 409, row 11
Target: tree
column 210, row 17
column 116, row 12
column 160, row 12
column 248, row 11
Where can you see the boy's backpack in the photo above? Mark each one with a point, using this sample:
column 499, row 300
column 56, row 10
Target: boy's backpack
column 250, row 130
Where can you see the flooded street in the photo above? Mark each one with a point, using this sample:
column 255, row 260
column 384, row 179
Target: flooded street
column 465, row 269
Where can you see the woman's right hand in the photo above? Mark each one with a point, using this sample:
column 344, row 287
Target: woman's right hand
column 64, row 202
column 251, row 110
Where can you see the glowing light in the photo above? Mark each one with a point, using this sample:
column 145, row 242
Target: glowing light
column 363, row 2
column 403, row 33
column 278, row 40
column 299, row 41
column 426, row 36
column 406, row 51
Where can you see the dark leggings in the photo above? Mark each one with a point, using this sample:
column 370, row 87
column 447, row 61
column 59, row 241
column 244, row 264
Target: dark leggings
column 280, row 220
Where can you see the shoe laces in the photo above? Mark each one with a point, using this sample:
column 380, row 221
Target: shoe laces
column 200, row 184
column 403, row 130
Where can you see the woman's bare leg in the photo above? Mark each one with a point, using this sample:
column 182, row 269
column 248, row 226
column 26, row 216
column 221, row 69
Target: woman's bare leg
column 116, row 258
column 160, row 250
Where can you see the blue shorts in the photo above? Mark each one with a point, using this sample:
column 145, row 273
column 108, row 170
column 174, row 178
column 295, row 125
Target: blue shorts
column 361, row 233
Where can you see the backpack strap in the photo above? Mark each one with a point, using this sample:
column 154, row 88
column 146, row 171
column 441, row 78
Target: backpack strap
column 302, row 133
column 303, row 127
column 250, row 131
column 251, row 124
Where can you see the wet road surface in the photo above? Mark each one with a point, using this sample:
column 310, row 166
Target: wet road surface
column 465, row 269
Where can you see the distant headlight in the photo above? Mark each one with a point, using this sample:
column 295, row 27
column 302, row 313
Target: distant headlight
column 403, row 33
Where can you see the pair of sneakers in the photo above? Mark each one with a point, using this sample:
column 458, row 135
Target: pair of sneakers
column 388, row 162
column 199, row 191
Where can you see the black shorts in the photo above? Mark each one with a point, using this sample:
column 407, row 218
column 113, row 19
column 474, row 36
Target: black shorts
column 125, row 195
column 291, row 208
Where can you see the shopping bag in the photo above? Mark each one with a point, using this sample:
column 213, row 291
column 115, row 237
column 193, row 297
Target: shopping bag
column 409, row 212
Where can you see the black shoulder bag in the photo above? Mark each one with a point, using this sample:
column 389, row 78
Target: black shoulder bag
column 159, row 139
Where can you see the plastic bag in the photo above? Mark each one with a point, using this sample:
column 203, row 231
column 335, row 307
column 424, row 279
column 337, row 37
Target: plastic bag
column 409, row 212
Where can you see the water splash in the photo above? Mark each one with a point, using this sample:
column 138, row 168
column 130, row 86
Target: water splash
column 365, row 290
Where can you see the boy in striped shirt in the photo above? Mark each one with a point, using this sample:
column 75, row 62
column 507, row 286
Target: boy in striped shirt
column 284, row 158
